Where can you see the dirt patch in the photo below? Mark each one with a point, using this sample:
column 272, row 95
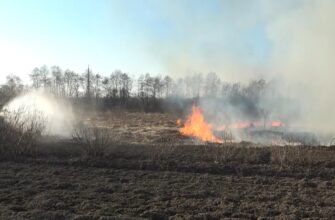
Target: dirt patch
column 39, row 191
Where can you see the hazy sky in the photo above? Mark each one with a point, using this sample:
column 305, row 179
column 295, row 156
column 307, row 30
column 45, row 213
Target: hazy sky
column 160, row 37
column 292, row 41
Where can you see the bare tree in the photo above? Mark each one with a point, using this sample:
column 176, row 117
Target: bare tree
column 40, row 77
column 125, row 88
column 196, row 85
column 35, row 76
column 179, row 88
column 115, row 80
column 167, row 85
column 11, row 88
column 97, row 85
column 140, row 86
column 57, row 80
column 107, row 90
column 14, row 84
column 157, row 87
column 77, row 82
column 44, row 72
column 255, row 89
column 87, row 76
column 212, row 85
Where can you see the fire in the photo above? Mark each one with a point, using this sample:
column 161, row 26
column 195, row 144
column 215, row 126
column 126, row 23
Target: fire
column 239, row 125
column 277, row 124
column 221, row 128
column 196, row 126
column 236, row 125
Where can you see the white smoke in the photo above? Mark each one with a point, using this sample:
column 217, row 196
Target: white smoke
column 303, row 54
column 301, row 58
column 55, row 113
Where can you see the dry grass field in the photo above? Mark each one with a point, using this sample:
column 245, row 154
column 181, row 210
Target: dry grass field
column 137, row 128
column 149, row 171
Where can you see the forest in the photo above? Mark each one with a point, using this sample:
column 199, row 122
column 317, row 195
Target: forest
column 143, row 92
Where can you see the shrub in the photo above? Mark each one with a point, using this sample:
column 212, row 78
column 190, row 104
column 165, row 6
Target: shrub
column 19, row 133
column 95, row 140
column 293, row 156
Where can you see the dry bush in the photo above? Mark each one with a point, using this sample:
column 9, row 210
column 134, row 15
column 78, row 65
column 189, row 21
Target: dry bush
column 292, row 156
column 224, row 154
column 163, row 152
column 19, row 132
column 241, row 154
column 95, row 140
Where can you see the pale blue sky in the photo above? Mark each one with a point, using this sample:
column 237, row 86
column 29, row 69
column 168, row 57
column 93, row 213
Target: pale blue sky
column 160, row 37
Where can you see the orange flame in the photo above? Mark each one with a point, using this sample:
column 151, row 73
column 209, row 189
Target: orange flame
column 236, row 125
column 221, row 128
column 277, row 124
column 196, row 126
column 239, row 125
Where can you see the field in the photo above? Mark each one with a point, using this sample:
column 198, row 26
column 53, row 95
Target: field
column 150, row 171
column 137, row 128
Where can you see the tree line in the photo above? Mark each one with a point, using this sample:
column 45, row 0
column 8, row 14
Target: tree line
column 146, row 92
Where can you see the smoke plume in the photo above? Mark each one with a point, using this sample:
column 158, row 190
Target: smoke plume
column 299, row 56
column 303, row 53
column 55, row 113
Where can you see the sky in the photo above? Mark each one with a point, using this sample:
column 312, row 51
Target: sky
column 291, row 41
column 174, row 37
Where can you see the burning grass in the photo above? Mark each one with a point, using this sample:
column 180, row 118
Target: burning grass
column 126, row 163
column 106, row 171
column 196, row 126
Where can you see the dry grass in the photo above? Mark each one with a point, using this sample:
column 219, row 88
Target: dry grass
column 158, row 144
column 18, row 134
column 115, row 178
column 136, row 127
column 295, row 156
column 94, row 140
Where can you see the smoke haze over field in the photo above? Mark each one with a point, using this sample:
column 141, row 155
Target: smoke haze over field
column 57, row 117
column 303, row 54
column 298, row 51
column 290, row 42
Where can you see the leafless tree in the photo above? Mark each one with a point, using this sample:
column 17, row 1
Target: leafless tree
column 10, row 89
column 125, row 87
column 167, row 85
column 35, row 77
column 57, row 80
column 44, row 73
column 212, row 85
